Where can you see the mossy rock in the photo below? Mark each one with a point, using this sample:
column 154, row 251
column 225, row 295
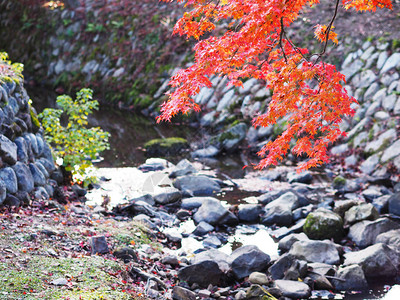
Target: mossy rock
column 339, row 182
column 227, row 136
column 166, row 147
column 231, row 138
column 35, row 119
column 324, row 224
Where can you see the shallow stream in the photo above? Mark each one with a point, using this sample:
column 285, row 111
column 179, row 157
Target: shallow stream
column 130, row 131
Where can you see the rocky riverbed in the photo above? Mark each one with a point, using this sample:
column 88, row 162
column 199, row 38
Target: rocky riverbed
column 299, row 238
column 185, row 231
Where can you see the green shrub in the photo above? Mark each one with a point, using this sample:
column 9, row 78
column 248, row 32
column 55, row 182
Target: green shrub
column 10, row 71
column 74, row 143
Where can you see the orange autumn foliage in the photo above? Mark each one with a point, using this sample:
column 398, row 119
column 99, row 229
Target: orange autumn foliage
column 306, row 91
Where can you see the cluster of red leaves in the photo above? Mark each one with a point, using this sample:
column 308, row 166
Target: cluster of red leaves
column 307, row 91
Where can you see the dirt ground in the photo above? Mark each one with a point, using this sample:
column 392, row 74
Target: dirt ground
column 383, row 23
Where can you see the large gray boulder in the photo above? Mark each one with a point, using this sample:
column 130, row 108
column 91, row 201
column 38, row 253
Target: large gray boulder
column 184, row 167
column 371, row 193
column 197, row 185
column 248, row 259
column 38, row 178
column 394, row 204
column 259, row 278
column 210, row 151
column 42, row 169
column 289, row 199
column 231, row 138
column 365, row 232
column 280, row 215
column 40, row 143
column 136, row 208
column 203, row 273
column 323, row 224
column 391, row 152
column 392, row 62
column 281, row 265
column 203, row 228
column 365, row 211
column 270, row 196
column 8, row 150
column 379, row 143
column 22, row 149
column 390, row 238
column 322, row 269
column 154, row 164
column 369, row 165
column 180, row 293
column 303, row 177
column 173, row 234
column 341, row 206
column 286, row 243
column 381, row 204
column 168, row 195
column 293, row 289
column 24, row 177
column 32, row 139
column 316, row 251
column 350, row 278
column 214, row 255
column 194, row 202
column 279, row 211
column 376, row 261
column 211, row 212
column 249, row 212
column 48, row 164
column 8, row 177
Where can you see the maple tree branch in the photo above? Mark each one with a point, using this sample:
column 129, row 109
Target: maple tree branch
column 328, row 30
column 216, row 5
column 295, row 47
column 233, row 55
column 280, row 40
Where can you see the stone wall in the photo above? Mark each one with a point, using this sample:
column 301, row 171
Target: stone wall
column 26, row 161
column 121, row 49
column 373, row 75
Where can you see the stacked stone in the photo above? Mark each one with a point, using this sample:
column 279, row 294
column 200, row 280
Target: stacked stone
column 374, row 80
column 26, row 162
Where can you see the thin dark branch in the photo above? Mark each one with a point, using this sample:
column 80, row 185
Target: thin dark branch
column 233, row 55
column 216, row 5
column 238, row 25
column 295, row 47
column 281, row 38
column 328, row 30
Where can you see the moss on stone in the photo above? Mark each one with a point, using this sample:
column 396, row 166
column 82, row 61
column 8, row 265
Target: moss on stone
column 339, row 182
column 166, row 147
column 323, row 224
column 144, row 101
column 34, row 119
column 395, row 44
column 227, row 136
